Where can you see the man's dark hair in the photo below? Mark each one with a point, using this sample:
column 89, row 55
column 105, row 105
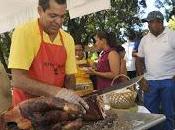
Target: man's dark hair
column 45, row 3
column 131, row 35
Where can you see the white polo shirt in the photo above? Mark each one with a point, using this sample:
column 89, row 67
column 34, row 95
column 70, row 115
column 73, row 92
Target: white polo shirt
column 159, row 54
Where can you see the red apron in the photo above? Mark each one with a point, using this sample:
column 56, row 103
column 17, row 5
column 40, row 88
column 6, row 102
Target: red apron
column 48, row 67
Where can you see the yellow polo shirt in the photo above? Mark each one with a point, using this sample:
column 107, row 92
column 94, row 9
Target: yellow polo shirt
column 26, row 41
column 82, row 78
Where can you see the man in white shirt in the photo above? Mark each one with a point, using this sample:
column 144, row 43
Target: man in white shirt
column 130, row 60
column 157, row 53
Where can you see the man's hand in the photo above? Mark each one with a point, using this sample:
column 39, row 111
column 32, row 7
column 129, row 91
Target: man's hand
column 140, row 65
column 144, row 85
column 72, row 97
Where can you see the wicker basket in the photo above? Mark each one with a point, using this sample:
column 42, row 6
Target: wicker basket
column 124, row 98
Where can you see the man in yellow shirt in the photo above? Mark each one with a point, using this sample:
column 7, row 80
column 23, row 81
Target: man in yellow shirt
column 42, row 57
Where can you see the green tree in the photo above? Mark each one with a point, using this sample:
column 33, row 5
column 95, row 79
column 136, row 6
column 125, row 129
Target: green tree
column 171, row 23
column 5, row 42
column 121, row 18
column 168, row 6
column 123, row 15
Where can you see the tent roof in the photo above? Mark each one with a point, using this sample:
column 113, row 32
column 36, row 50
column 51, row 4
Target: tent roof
column 14, row 12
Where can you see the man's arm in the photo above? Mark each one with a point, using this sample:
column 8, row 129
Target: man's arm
column 5, row 90
column 70, row 81
column 71, row 67
column 140, row 68
column 5, row 87
column 134, row 53
column 140, row 65
column 21, row 80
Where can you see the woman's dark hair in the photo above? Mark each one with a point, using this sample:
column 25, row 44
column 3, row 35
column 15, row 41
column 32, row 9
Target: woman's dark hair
column 119, row 48
column 79, row 43
column 131, row 36
column 45, row 3
column 109, row 36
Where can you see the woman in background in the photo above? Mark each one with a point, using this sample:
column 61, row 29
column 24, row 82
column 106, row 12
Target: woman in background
column 83, row 83
column 108, row 65
column 121, row 51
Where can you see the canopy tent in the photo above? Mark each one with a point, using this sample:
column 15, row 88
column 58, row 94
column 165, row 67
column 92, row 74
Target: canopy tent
column 79, row 8
column 15, row 12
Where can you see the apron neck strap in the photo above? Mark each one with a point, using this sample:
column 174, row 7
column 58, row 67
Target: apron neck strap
column 61, row 37
column 41, row 30
column 41, row 33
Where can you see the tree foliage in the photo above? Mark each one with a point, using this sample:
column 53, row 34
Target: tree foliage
column 123, row 15
column 168, row 6
column 171, row 23
column 5, row 41
column 121, row 18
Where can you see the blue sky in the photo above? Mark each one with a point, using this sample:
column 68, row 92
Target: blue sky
column 151, row 7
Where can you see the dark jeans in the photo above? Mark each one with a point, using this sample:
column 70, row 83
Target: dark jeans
column 161, row 95
column 131, row 74
column 93, row 78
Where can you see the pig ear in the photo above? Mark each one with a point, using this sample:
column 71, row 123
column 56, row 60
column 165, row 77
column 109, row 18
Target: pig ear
column 5, row 90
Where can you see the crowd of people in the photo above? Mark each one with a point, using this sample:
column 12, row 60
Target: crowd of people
column 45, row 61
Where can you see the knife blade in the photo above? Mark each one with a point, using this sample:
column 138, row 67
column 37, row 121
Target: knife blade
column 121, row 85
